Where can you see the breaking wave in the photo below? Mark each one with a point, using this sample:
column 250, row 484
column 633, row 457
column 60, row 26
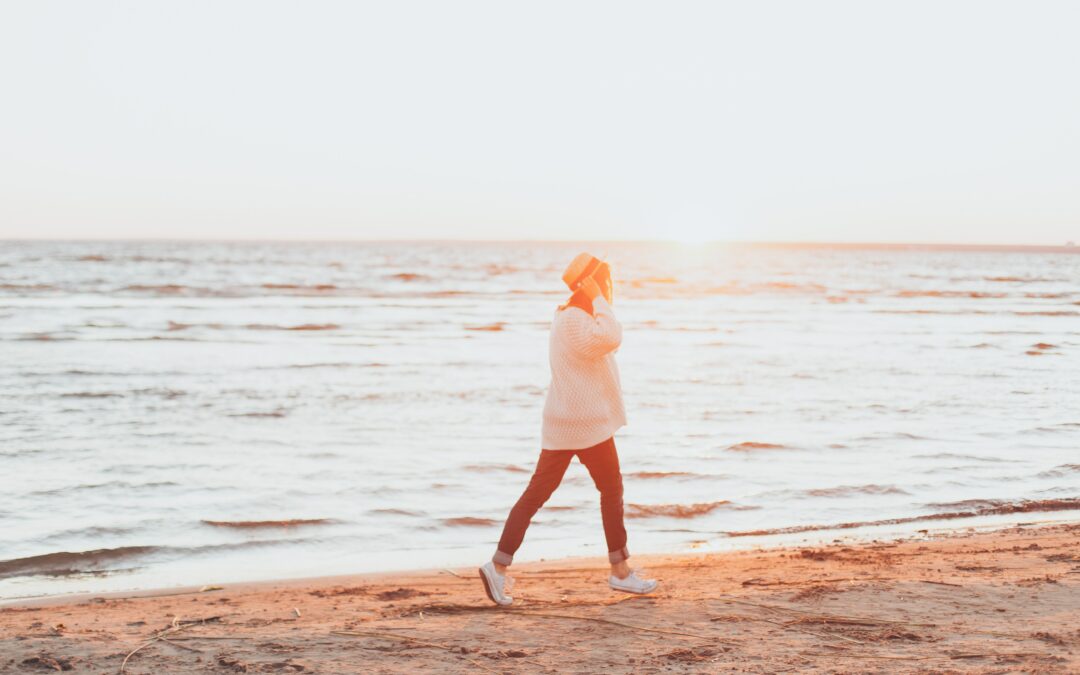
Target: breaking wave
column 680, row 510
column 988, row 507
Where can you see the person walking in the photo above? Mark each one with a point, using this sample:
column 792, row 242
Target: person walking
column 583, row 409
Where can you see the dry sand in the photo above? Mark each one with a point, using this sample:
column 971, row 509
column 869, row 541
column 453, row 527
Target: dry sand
column 969, row 602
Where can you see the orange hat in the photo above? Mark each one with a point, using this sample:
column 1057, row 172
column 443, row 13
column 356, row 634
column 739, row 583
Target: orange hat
column 579, row 269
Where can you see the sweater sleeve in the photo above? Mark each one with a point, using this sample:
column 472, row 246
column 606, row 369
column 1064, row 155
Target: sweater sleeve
column 592, row 337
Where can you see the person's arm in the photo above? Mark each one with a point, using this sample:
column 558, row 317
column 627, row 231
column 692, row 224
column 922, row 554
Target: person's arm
column 593, row 336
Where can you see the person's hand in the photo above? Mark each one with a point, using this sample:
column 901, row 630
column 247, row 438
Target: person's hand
column 590, row 288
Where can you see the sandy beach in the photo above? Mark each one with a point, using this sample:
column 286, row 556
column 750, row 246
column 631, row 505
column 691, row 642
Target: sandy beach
column 966, row 601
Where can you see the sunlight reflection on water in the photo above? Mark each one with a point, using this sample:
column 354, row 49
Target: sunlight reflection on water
column 396, row 389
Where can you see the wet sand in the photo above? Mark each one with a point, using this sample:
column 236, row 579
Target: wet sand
column 963, row 602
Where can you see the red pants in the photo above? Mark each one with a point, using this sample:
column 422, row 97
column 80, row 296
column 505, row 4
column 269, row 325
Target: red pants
column 603, row 464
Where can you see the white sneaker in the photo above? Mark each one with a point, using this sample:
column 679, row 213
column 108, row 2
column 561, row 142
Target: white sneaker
column 496, row 585
column 632, row 583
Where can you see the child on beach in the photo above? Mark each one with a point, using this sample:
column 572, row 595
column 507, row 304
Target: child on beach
column 583, row 410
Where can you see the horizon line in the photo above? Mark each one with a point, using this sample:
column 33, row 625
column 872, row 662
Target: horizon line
column 1067, row 247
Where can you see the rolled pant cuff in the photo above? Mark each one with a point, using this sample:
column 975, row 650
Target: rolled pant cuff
column 502, row 558
column 618, row 556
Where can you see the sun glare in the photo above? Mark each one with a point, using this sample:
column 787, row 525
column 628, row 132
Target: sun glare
column 690, row 235
column 692, row 238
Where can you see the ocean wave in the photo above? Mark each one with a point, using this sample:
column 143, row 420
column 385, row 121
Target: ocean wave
column 339, row 364
column 747, row 446
column 488, row 468
column 76, row 371
column 154, row 338
column 680, row 510
column 159, row 289
column 1060, row 471
column 790, row 286
column 89, row 533
column 162, row 392
column 395, row 512
column 28, row 287
column 664, row 474
column 103, row 561
column 263, row 524
column 1040, row 349
column 469, row 521
column 66, row 563
column 642, row 282
column 495, row 269
column 1021, row 280
column 112, row 484
column 968, row 504
column 43, row 337
column 407, row 276
column 957, row 312
column 303, row 326
column 22, row 452
column 317, row 288
column 895, row 435
column 176, row 325
column 274, row 414
column 849, row 490
column 949, row 294
column 263, row 290
column 958, row 455
column 990, row 507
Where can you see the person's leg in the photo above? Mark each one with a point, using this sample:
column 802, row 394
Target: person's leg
column 602, row 461
column 548, row 474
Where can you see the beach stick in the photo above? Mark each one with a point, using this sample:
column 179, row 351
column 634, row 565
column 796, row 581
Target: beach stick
column 176, row 644
column 133, row 651
column 177, row 625
column 149, row 642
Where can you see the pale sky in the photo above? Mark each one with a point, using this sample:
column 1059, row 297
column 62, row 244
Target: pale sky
column 797, row 121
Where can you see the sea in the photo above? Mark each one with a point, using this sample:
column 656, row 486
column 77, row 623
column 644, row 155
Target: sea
column 191, row 413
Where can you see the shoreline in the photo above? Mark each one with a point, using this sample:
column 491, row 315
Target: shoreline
column 851, row 533
column 963, row 600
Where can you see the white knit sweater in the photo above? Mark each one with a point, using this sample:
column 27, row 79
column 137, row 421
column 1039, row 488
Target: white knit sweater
column 584, row 402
